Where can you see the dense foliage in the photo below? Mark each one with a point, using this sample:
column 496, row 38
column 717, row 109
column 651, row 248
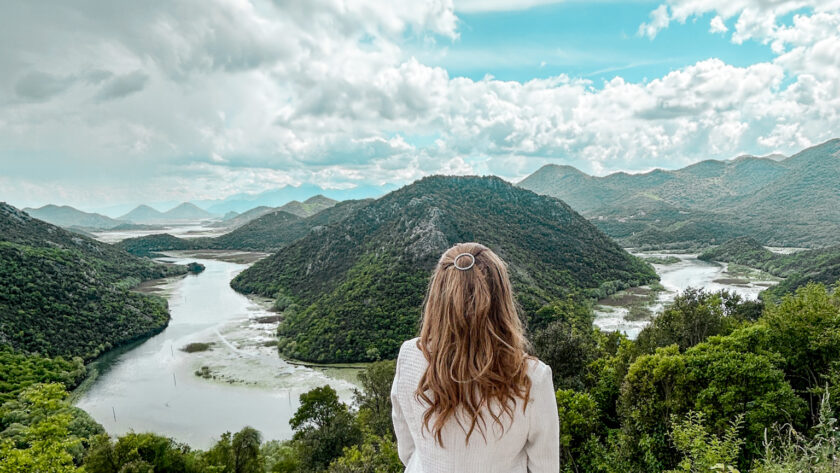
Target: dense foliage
column 39, row 431
column 19, row 371
column 705, row 387
column 758, row 394
column 62, row 294
column 151, row 245
column 352, row 291
column 791, row 202
column 799, row 268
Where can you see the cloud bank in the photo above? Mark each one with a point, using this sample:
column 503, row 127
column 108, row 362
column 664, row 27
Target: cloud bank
column 202, row 99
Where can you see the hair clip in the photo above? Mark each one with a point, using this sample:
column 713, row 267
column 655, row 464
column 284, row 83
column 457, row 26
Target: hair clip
column 464, row 268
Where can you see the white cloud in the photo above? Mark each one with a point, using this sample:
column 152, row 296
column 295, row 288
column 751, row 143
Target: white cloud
column 201, row 99
column 717, row 25
column 659, row 19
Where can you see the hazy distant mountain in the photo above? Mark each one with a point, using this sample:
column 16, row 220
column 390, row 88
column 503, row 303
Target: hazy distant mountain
column 307, row 208
column 278, row 197
column 143, row 214
column 357, row 285
column 787, row 202
column 242, row 218
column 185, row 212
column 66, row 216
column 269, row 232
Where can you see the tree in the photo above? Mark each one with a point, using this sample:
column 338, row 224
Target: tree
column 323, row 426
column 565, row 341
column 694, row 316
column 145, row 452
column 580, row 425
column 374, row 399
column 702, row 450
column 805, row 329
column 246, row 451
column 280, row 457
column 375, row 455
column 46, row 442
column 221, row 455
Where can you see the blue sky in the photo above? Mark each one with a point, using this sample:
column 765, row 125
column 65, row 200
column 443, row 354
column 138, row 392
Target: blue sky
column 594, row 40
column 106, row 105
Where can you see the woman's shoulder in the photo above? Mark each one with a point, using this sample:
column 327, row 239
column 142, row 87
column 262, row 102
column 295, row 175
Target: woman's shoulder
column 538, row 371
column 410, row 352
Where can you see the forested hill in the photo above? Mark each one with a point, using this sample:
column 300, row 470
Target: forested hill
column 65, row 294
column 270, row 232
column 787, row 202
column 66, row 216
column 352, row 290
column 820, row 265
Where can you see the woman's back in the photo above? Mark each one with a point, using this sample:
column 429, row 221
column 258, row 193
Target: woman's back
column 530, row 441
column 466, row 396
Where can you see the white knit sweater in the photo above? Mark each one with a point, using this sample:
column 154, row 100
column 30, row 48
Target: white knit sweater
column 530, row 443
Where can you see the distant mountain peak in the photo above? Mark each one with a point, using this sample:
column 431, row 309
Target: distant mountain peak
column 70, row 217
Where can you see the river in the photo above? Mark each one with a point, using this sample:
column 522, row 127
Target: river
column 153, row 386
column 612, row 313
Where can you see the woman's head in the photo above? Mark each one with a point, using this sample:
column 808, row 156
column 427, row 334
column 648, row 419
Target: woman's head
column 473, row 339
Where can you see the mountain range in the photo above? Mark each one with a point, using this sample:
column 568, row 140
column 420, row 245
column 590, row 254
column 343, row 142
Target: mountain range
column 66, row 216
column 780, row 202
column 185, row 212
column 352, row 290
column 280, row 196
column 268, row 232
column 307, row 208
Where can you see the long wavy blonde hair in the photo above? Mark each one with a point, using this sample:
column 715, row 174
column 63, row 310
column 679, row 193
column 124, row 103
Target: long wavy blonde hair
column 474, row 342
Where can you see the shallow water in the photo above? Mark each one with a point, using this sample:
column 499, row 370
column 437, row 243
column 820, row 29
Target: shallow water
column 190, row 230
column 689, row 272
column 153, row 386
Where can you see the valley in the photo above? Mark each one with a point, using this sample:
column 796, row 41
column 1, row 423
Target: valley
column 156, row 386
column 227, row 323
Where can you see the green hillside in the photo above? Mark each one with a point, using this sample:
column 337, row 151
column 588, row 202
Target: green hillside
column 149, row 245
column 63, row 294
column 308, row 207
column 788, row 202
column 354, row 289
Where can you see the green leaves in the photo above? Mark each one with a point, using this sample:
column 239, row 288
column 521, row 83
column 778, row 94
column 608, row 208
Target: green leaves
column 702, row 450
column 44, row 445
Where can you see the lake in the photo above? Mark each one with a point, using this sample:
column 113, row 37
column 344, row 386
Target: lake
column 153, row 386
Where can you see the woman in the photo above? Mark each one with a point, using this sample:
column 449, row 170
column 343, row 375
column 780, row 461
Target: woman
column 466, row 395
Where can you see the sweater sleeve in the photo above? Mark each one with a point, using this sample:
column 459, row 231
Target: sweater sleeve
column 405, row 443
column 543, row 445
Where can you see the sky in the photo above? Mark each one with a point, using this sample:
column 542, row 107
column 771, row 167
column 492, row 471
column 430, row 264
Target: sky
column 113, row 103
